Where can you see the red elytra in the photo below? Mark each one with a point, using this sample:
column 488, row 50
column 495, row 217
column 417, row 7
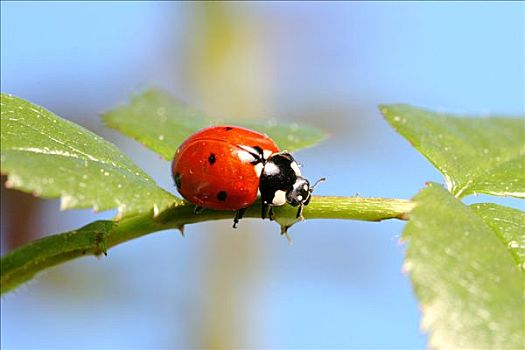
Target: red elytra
column 215, row 167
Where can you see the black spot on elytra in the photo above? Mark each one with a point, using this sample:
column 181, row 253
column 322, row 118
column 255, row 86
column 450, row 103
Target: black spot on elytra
column 211, row 159
column 222, row 196
column 228, row 128
column 176, row 177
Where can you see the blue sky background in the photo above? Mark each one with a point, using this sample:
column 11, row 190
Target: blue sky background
column 340, row 284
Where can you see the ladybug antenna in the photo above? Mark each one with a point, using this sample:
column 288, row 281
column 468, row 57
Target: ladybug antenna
column 312, row 188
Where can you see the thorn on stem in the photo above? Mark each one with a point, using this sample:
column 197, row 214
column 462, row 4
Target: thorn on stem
column 181, row 230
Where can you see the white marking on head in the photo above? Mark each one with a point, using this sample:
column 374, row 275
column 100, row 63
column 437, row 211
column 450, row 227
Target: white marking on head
column 279, row 198
column 271, row 169
column 299, row 198
column 305, row 187
column 267, row 154
column 258, row 169
column 295, row 168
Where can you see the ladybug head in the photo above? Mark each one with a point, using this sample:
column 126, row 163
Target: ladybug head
column 281, row 182
column 300, row 193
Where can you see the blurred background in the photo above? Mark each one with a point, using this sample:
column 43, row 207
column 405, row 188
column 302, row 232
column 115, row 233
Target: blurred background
column 340, row 285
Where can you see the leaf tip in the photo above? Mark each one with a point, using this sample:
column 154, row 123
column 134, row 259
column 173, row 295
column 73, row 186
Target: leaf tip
column 383, row 108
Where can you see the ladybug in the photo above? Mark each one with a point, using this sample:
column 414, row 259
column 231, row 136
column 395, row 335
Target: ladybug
column 226, row 167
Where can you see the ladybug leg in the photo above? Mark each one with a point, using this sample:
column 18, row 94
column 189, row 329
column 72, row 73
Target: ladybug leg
column 265, row 210
column 300, row 212
column 198, row 209
column 270, row 213
column 238, row 216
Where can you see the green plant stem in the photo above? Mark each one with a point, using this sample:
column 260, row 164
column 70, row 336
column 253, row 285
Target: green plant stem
column 23, row 263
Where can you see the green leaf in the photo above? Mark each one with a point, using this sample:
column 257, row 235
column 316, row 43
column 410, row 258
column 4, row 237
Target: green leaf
column 476, row 155
column 52, row 157
column 162, row 123
column 468, row 283
column 508, row 224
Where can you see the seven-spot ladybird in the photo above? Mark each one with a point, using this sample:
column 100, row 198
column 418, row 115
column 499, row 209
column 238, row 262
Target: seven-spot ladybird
column 224, row 168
